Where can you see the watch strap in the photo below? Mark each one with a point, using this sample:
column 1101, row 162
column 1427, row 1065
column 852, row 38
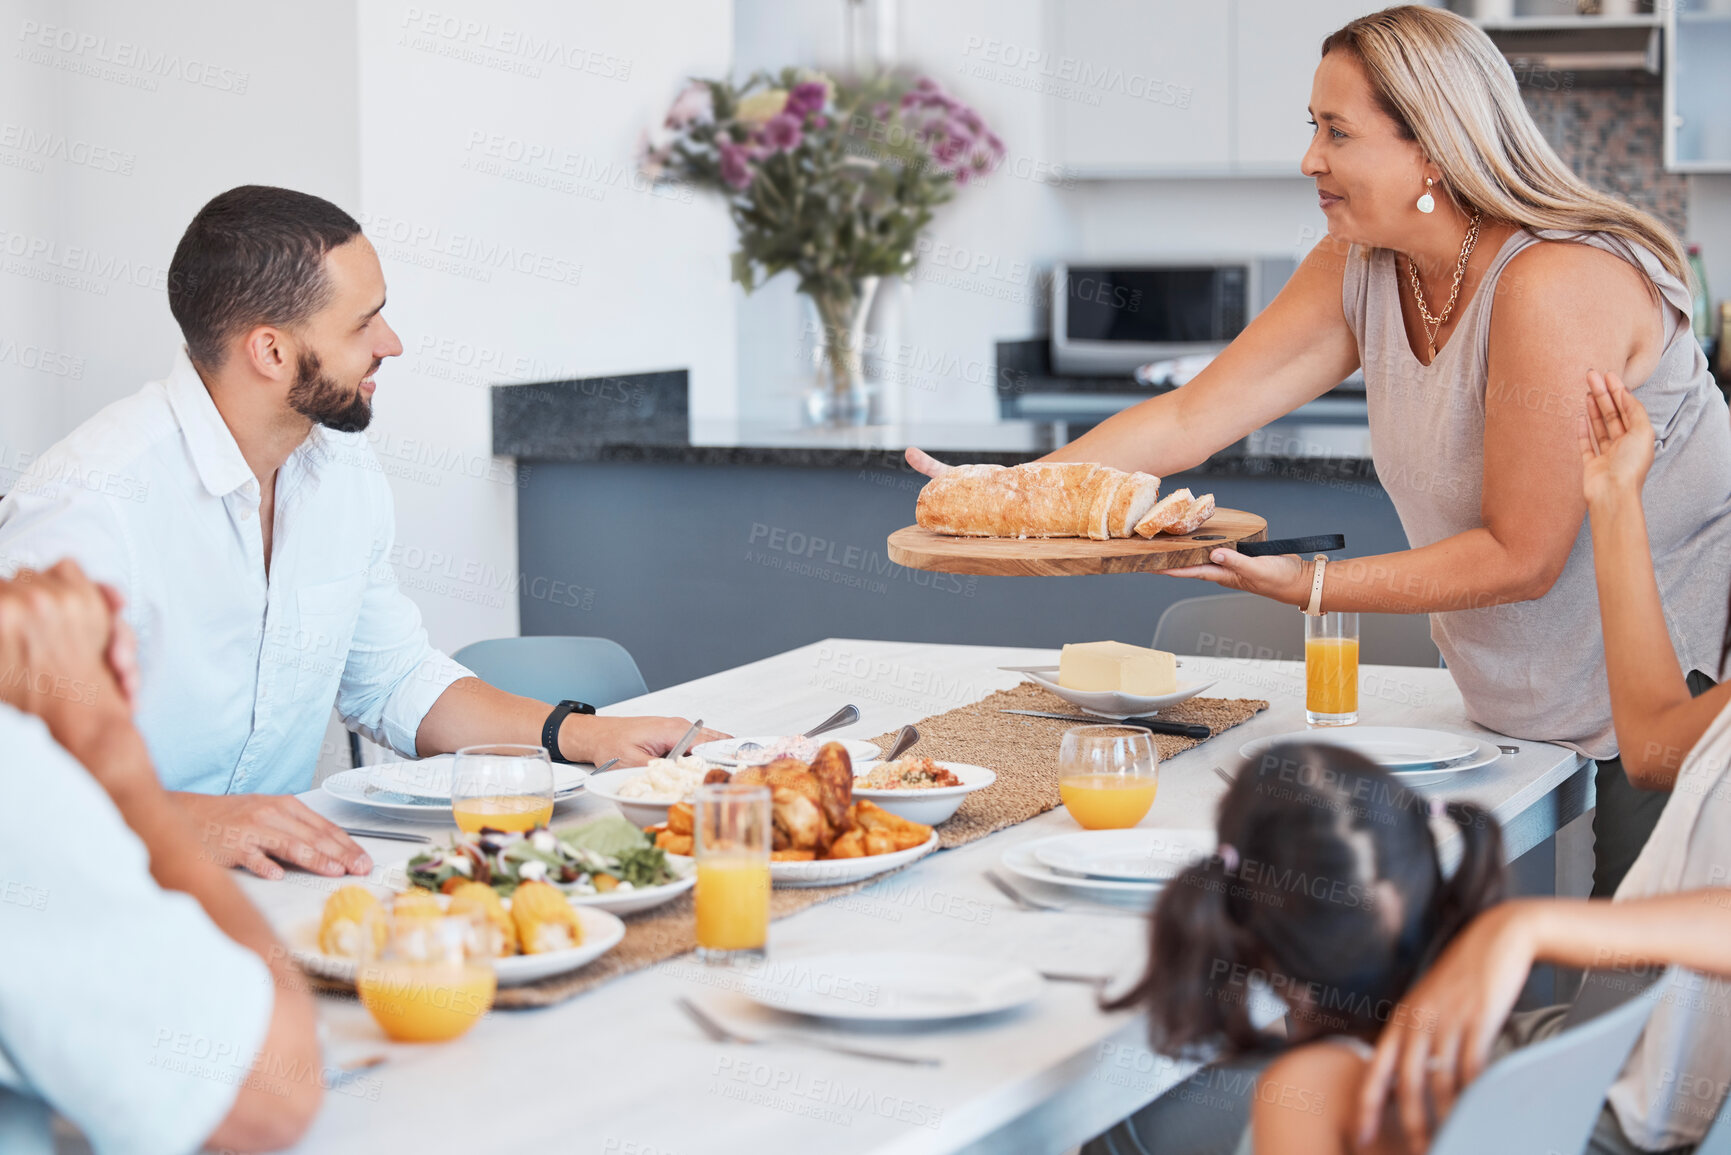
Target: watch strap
column 550, row 728
column 1314, row 609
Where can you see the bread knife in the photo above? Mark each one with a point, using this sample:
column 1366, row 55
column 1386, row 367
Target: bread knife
column 1320, row 543
column 1154, row 725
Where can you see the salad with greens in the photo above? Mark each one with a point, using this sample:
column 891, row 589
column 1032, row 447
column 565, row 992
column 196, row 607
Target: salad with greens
column 600, row 857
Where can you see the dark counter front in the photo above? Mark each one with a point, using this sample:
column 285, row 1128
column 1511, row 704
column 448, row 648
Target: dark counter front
column 701, row 546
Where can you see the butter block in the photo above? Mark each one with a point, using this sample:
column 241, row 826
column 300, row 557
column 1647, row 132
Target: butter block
column 1118, row 666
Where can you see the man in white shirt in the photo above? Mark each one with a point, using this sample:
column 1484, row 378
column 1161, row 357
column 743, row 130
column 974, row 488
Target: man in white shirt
column 247, row 522
column 157, row 1014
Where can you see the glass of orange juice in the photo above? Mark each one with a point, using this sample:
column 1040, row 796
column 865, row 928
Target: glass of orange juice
column 507, row 788
column 732, row 846
column 425, row 978
column 1331, row 669
column 1107, row 775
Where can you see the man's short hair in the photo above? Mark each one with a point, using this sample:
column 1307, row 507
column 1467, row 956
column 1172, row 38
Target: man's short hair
column 253, row 256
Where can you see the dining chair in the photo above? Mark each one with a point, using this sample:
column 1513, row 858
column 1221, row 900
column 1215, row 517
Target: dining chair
column 599, row 671
column 1718, row 1138
column 1239, row 625
column 1547, row 1096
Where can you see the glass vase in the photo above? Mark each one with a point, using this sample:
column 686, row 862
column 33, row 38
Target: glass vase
column 835, row 323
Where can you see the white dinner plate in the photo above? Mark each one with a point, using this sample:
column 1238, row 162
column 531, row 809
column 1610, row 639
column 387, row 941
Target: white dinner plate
column 722, row 750
column 1391, row 747
column 392, row 787
column 1021, row 861
column 1483, row 755
column 929, row 807
column 1111, row 703
column 893, row 987
column 836, row 871
column 601, row 933
column 1143, row 855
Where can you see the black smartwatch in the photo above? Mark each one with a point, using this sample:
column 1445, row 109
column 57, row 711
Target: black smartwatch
column 550, row 731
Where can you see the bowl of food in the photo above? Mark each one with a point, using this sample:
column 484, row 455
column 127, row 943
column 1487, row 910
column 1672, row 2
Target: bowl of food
column 643, row 793
column 920, row 789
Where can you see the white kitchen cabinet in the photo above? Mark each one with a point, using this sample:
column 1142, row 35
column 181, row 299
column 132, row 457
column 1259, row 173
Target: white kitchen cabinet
column 1698, row 86
column 1277, row 48
column 1242, row 71
column 1139, row 87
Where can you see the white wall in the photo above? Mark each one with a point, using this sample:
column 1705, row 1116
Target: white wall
column 117, row 122
column 519, row 244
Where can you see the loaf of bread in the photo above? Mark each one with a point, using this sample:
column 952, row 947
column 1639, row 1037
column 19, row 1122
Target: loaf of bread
column 1049, row 499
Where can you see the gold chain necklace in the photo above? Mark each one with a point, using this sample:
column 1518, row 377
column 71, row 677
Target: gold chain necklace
column 1432, row 324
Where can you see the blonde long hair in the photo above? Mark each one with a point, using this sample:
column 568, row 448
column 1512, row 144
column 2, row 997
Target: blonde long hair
column 1439, row 77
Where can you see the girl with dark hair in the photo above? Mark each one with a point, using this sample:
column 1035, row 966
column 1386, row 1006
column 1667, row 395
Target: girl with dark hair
column 1328, row 890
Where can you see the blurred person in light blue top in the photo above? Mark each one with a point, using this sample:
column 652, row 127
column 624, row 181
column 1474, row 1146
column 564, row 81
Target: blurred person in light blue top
column 142, row 998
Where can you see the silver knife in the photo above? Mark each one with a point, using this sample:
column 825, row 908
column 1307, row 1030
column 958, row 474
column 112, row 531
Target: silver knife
column 1153, row 725
column 393, row 835
column 680, row 747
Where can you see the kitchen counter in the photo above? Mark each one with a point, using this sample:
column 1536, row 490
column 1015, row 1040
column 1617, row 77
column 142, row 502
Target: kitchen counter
column 644, row 418
column 700, row 545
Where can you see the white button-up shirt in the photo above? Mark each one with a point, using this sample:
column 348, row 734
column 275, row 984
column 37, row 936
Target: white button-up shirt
column 239, row 670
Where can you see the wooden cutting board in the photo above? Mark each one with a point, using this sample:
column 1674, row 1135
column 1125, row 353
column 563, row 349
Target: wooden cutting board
column 919, row 548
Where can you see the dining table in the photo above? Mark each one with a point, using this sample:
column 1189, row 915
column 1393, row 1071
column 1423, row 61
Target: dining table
column 621, row 1070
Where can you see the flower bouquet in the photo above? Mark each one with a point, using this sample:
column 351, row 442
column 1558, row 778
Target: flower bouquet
column 832, row 180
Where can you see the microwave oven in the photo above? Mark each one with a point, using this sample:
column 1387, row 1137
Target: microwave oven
column 1107, row 319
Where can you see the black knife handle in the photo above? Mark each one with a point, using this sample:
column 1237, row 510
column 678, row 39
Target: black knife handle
column 1321, row 543
column 1160, row 726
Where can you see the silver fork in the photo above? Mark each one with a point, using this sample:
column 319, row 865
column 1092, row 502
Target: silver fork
column 1029, row 902
column 721, row 1033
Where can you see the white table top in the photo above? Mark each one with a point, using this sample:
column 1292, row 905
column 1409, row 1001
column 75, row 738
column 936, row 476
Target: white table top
column 620, row 1070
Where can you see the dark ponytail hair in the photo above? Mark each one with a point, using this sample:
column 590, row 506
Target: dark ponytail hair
column 1327, row 889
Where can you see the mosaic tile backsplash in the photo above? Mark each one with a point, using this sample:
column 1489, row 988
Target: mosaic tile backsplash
column 1611, row 138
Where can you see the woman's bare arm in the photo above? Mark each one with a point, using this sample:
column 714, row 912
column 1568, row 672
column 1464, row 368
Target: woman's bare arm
column 1561, row 310
column 1657, row 720
column 1293, row 351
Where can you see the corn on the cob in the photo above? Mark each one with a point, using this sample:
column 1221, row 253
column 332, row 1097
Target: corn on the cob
column 346, row 914
column 417, row 902
column 545, row 920
column 501, row 932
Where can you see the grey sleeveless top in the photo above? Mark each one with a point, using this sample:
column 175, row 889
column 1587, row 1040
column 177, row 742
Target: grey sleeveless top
column 1536, row 669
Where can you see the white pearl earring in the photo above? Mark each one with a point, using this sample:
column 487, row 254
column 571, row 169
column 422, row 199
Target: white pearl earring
column 1427, row 203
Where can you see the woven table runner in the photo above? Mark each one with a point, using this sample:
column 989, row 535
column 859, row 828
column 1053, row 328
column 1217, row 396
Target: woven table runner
column 1024, row 753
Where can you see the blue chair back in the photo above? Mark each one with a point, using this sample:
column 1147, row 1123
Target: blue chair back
column 1547, row 1096
column 1718, row 1139
column 599, row 671
column 1239, row 625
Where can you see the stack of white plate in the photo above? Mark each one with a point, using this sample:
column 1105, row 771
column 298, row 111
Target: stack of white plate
column 1110, row 863
column 1416, row 757
column 422, row 788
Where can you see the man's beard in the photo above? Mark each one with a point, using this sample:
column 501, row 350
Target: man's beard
column 320, row 398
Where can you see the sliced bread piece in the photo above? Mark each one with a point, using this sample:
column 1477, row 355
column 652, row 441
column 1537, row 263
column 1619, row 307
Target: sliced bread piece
column 1105, row 498
column 1199, row 512
column 1133, row 503
column 1166, row 511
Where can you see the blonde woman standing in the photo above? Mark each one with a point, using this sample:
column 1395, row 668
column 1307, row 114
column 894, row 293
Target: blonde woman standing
column 1476, row 281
